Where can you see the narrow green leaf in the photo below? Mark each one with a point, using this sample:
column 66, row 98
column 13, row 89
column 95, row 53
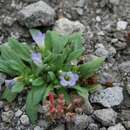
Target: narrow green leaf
column 8, row 95
column 89, row 69
column 18, row 87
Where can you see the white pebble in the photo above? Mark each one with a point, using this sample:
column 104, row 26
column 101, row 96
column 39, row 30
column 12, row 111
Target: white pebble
column 122, row 25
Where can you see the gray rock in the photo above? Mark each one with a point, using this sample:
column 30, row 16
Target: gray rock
column 117, row 127
column 24, row 120
column 38, row 128
column 80, row 3
column 93, row 126
column 102, row 52
column 122, row 25
column 80, row 123
column 7, row 116
column 114, row 2
column 103, row 128
column 1, row 104
column 125, row 67
column 106, row 116
column 105, row 78
column 127, row 124
column 36, row 14
column 9, row 21
column 125, row 115
column 108, row 97
column 66, row 27
column 18, row 113
column 43, row 123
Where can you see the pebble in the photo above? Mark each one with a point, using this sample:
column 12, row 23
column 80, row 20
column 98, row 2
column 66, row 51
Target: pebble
column 18, row 113
column 24, row 120
column 36, row 14
column 125, row 67
column 7, row 116
column 80, row 123
column 101, row 52
column 66, row 26
column 122, row 25
column 114, row 2
column 38, row 128
column 98, row 19
column 1, row 104
column 9, row 21
column 93, row 126
column 117, row 127
column 106, row 116
column 108, row 97
column 59, row 127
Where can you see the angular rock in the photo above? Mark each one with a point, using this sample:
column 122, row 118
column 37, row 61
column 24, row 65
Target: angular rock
column 66, row 27
column 36, row 14
column 24, row 120
column 125, row 67
column 38, row 128
column 127, row 124
column 18, row 113
column 7, row 116
column 93, row 126
column 122, row 25
column 102, row 52
column 114, row 2
column 117, row 127
column 108, row 97
column 106, row 116
column 80, row 123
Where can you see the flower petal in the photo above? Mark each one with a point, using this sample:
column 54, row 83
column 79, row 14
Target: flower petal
column 37, row 58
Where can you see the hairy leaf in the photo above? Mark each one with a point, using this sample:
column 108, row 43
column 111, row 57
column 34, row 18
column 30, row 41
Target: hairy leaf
column 18, row 87
column 89, row 69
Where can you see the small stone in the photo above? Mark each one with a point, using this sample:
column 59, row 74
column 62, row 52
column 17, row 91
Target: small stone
column 103, row 128
column 106, row 116
column 115, row 2
column 38, row 128
column 102, row 52
column 65, row 27
column 80, row 3
column 98, row 19
column 105, row 78
column 108, row 97
column 43, row 123
column 114, row 40
column 18, row 113
column 125, row 67
column 79, row 11
column 80, row 123
column 1, row 104
column 7, row 116
column 117, row 127
column 93, row 126
column 36, row 14
column 127, row 124
column 9, row 21
column 24, row 120
column 122, row 25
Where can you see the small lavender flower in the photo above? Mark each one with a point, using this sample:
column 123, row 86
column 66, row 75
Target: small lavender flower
column 68, row 79
column 39, row 38
column 37, row 58
column 10, row 83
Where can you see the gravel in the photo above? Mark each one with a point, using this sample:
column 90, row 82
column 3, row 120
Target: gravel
column 117, row 127
column 24, row 120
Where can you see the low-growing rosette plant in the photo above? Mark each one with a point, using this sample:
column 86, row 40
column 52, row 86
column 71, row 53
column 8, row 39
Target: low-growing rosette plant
column 47, row 69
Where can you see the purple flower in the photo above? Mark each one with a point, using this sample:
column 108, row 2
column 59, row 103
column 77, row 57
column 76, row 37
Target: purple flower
column 10, row 83
column 68, row 79
column 37, row 58
column 38, row 37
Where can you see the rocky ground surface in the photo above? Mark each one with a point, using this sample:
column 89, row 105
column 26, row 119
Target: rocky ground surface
column 105, row 25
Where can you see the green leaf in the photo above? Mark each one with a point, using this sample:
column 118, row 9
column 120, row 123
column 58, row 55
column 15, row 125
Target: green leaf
column 18, row 87
column 75, row 54
column 21, row 49
column 76, row 40
column 33, row 99
column 89, row 69
column 55, row 42
column 62, row 90
column 48, row 89
column 38, row 82
column 82, row 91
column 8, row 95
column 51, row 75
